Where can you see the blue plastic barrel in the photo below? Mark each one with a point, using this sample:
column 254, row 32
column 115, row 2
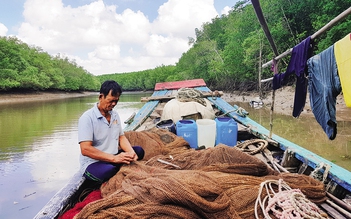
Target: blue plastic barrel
column 227, row 131
column 188, row 130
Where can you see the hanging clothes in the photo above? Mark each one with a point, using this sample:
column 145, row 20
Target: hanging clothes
column 297, row 65
column 324, row 86
column 342, row 53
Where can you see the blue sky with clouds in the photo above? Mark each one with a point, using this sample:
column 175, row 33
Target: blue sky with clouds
column 107, row 36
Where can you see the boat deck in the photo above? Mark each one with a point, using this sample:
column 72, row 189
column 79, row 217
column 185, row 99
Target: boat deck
column 279, row 154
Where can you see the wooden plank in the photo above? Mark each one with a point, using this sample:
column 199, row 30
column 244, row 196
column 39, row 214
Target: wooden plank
column 169, row 97
column 166, row 97
column 339, row 209
column 145, row 111
column 179, row 84
column 341, row 203
column 332, row 212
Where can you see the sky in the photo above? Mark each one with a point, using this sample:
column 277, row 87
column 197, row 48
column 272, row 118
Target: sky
column 110, row 36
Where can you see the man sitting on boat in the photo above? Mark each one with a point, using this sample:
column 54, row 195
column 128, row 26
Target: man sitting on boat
column 100, row 134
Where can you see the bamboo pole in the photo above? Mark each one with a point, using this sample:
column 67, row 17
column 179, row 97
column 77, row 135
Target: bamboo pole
column 339, row 202
column 263, row 23
column 340, row 209
column 262, row 20
column 315, row 35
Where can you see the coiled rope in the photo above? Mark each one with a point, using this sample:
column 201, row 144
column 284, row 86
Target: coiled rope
column 287, row 203
column 262, row 144
column 190, row 94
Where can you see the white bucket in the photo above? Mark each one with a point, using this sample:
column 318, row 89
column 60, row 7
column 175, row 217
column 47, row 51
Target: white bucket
column 206, row 132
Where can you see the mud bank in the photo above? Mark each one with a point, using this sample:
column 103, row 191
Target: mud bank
column 284, row 101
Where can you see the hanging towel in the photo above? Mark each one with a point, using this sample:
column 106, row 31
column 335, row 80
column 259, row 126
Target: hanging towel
column 297, row 65
column 324, row 86
column 342, row 53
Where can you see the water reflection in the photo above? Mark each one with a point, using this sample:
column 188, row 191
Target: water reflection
column 39, row 150
column 21, row 125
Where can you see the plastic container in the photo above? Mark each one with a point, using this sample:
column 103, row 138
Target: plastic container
column 227, row 131
column 167, row 124
column 206, row 132
column 188, row 130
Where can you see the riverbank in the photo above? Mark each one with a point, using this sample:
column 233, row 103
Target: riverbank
column 14, row 98
column 283, row 103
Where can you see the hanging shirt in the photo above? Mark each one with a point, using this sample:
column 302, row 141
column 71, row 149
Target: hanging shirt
column 342, row 53
column 324, row 86
column 297, row 65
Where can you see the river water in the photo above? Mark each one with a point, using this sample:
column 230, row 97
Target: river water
column 39, row 150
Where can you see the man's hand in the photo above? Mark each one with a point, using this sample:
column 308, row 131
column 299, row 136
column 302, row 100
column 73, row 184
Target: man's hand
column 125, row 157
column 135, row 156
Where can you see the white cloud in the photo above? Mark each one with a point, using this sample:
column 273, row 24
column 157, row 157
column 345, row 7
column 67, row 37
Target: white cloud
column 226, row 10
column 108, row 52
column 3, row 30
column 160, row 46
column 103, row 41
column 181, row 17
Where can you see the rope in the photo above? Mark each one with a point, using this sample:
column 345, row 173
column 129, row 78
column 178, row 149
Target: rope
column 238, row 110
column 262, row 144
column 316, row 175
column 190, row 94
column 241, row 111
column 286, row 203
column 215, row 94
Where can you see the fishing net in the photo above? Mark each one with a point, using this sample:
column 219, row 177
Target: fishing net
column 157, row 142
column 177, row 182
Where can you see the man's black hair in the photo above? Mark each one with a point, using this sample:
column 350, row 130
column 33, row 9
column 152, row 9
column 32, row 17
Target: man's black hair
column 110, row 85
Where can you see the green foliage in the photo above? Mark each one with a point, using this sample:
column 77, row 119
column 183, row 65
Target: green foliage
column 142, row 80
column 25, row 67
column 8, row 79
column 225, row 52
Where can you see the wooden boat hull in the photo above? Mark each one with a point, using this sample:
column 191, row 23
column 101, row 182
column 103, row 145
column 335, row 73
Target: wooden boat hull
column 337, row 179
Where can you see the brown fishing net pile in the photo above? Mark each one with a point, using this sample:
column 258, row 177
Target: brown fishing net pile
column 220, row 182
column 157, row 142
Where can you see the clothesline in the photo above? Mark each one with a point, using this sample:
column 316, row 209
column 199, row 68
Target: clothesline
column 315, row 35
